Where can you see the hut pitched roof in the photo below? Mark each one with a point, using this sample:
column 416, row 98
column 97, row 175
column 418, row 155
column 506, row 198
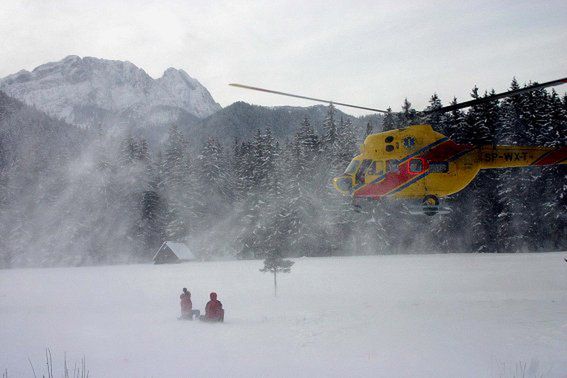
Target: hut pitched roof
column 181, row 250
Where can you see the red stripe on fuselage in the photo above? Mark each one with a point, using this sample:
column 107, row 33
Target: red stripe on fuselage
column 553, row 157
column 393, row 180
column 445, row 151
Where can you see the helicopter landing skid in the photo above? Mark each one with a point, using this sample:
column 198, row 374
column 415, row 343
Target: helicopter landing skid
column 428, row 210
column 356, row 205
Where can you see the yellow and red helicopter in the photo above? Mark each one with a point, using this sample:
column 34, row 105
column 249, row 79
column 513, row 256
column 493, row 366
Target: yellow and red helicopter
column 418, row 163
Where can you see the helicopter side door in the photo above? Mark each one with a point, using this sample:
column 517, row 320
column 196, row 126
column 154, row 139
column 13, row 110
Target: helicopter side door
column 375, row 170
column 372, row 170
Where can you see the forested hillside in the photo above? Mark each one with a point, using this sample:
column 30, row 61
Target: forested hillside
column 35, row 156
column 278, row 196
column 88, row 197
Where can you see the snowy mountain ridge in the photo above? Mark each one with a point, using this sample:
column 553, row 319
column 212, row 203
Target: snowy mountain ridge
column 86, row 91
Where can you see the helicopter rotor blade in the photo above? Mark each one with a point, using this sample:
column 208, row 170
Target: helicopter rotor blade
column 305, row 97
column 497, row 96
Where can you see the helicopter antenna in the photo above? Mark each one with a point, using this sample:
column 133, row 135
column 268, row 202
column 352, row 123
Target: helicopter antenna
column 305, row 97
column 497, row 96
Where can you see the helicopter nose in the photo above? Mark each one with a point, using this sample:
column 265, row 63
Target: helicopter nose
column 343, row 184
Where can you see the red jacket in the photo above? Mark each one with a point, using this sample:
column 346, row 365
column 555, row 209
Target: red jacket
column 213, row 310
column 186, row 304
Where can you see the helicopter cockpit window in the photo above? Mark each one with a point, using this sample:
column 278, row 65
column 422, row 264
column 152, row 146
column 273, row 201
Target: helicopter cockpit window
column 352, row 167
column 374, row 170
column 363, row 169
column 392, row 166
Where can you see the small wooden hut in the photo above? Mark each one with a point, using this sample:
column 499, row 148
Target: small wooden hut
column 172, row 252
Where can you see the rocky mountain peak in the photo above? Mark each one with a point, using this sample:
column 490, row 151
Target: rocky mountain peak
column 88, row 90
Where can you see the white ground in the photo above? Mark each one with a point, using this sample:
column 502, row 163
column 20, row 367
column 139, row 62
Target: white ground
column 404, row 316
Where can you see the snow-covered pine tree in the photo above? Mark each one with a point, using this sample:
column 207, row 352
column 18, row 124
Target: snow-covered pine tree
column 277, row 213
column 329, row 129
column 435, row 119
column 175, row 174
column 128, row 149
column 244, row 170
column 480, row 123
column 389, row 121
column 549, row 232
column 236, row 166
column 513, row 113
column 306, row 146
column 142, row 152
column 369, row 129
column 303, row 192
column 347, row 143
column 152, row 225
column 537, row 125
column 260, row 206
column 214, row 174
column 513, row 221
column 338, row 219
column 408, row 115
column 264, row 159
column 455, row 126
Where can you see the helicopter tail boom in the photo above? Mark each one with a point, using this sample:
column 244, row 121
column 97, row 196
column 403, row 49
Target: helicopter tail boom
column 520, row 156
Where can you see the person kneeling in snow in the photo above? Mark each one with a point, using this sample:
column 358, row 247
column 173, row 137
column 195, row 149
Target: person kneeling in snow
column 187, row 311
column 213, row 311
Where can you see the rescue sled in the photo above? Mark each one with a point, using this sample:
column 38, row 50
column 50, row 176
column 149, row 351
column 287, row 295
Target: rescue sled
column 219, row 320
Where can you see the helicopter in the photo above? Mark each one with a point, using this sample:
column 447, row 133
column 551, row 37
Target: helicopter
column 419, row 164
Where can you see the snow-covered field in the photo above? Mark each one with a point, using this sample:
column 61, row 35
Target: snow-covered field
column 404, row 316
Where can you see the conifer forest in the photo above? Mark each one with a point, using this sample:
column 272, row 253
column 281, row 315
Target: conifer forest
column 83, row 196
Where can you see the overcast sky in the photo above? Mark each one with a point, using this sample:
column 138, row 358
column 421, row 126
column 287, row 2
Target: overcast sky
column 371, row 53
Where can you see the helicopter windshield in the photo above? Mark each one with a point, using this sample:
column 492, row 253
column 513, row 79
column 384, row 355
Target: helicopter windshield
column 352, row 167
